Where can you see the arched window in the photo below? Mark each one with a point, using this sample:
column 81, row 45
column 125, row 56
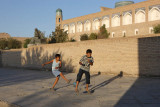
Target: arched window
column 115, row 21
column 154, row 14
column 113, row 34
column 151, row 30
column 87, row 25
column 140, row 16
column 124, row 33
column 72, row 28
column 65, row 28
column 105, row 21
column 79, row 27
column 136, row 32
column 127, row 19
column 96, row 24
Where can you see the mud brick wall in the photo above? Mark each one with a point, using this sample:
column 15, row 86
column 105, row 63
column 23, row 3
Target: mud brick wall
column 133, row 55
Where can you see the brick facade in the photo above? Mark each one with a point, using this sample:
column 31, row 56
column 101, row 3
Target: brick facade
column 142, row 28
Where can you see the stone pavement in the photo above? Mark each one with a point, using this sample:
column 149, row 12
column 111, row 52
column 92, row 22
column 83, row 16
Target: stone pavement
column 28, row 88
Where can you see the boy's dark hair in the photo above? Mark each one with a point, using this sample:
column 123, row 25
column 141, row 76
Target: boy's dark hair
column 89, row 51
column 57, row 55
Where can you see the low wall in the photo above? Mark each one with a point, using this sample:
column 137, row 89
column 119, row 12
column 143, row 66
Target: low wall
column 0, row 58
column 134, row 56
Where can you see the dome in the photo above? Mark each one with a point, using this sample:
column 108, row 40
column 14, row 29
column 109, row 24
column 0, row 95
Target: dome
column 59, row 10
column 123, row 3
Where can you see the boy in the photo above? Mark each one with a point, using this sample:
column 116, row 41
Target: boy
column 55, row 69
column 85, row 63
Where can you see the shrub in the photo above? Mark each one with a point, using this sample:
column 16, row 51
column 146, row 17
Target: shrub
column 52, row 40
column 84, row 37
column 10, row 44
column 27, row 41
column 14, row 44
column 93, row 36
column 103, row 33
column 3, row 43
column 72, row 40
column 157, row 29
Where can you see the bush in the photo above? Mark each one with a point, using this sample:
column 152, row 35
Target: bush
column 14, row 44
column 10, row 44
column 27, row 41
column 72, row 40
column 103, row 33
column 84, row 37
column 93, row 36
column 157, row 29
column 3, row 43
column 52, row 40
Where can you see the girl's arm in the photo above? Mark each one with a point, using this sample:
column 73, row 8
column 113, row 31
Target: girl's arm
column 47, row 62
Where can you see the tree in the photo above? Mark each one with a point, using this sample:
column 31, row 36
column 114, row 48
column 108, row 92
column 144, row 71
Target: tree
column 60, row 35
column 103, row 33
column 157, row 29
column 39, row 34
column 52, row 38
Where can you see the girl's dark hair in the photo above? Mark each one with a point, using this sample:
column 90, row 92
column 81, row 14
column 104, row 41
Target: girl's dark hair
column 89, row 51
column 57, row 55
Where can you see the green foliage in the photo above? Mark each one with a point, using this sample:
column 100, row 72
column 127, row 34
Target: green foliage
column 103, row 33
column 157, row 29
column 72, row 40
column 84, row 37
column 27, row 41
column 3, row 43
column 39, row 34
column 14, row 44
column 93, row 36
column 10, row 44
column 52, row 39
column 59, row 35
column 39, row 37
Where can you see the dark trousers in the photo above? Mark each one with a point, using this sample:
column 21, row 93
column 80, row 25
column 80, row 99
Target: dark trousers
column 80, row 74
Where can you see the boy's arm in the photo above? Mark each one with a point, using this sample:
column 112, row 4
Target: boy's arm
column 91, row 61
column 47, row 62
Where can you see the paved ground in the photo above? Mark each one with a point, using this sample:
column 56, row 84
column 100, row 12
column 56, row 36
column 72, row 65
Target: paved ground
column 29, row 88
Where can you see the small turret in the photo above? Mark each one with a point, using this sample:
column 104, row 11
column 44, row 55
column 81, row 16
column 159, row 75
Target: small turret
column 59, row 17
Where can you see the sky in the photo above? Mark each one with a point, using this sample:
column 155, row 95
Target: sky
column 19, row 18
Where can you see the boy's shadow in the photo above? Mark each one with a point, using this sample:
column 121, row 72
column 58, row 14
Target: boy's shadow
column 95, row 75
column 106, row 82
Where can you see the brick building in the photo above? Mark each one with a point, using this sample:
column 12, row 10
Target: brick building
column 126, row 19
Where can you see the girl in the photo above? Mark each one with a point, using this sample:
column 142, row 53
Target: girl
column 55, row 70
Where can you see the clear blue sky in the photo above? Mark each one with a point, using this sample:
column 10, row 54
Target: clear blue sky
column 20, row 17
